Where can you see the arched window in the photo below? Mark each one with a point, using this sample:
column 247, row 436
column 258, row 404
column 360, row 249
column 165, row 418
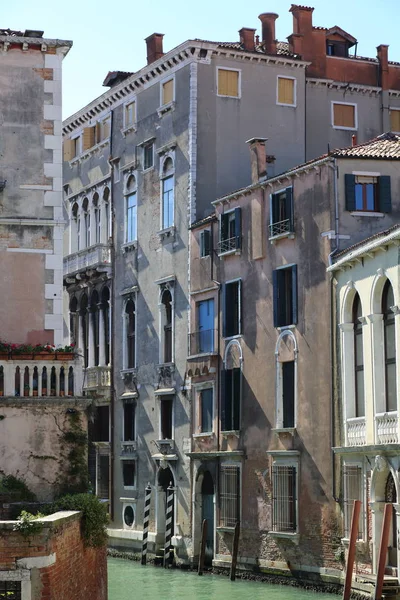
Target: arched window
column 85, row 235
column 105, row 302
column 106, row 198
column 94, row 309
column 97, row 219
column 84, row 314
column 167, row 194
column 131, row 210
column 389, row 328
column 73, row 321
column 358, row 358
column 75, row 229
column 130, row 333
column 166, row 301
column 231, row 389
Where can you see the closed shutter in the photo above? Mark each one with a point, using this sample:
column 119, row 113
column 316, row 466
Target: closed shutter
column 228, row 83
column 98, row 133
column 385, row 196
column 350, row 191
column 395, row 120
column 238, row 227
column 240, row 308
column 275, row 297
column 88, row 138
column 168, row 91
column 223, row 404
column 344, row 115
column 294, row 294
column 69, row 150
column 285, row 90
column 289, row 207
column 236, row 399
column 224, row 310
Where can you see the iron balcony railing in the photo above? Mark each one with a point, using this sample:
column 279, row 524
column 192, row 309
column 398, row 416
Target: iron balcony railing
column 280, row 228
column 201, row 342
column 228, row 244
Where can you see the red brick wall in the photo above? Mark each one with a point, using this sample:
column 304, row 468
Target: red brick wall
column 79, row 573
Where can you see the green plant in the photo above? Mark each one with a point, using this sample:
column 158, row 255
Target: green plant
column 94, row 516
column 75, row 479
column 27, row 524
column 67, row 348
column 15, row 489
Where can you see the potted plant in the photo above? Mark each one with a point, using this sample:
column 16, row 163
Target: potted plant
column 22, row 351
column 4, row 350
column 65, row 352
column 26, row 389
column 44, row 352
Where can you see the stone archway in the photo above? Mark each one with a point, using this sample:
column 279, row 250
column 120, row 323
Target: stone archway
column 165, row 478
column 204, row 508
column 391, row 498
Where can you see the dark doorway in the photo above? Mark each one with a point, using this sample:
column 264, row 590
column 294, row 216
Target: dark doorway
column 207, row 512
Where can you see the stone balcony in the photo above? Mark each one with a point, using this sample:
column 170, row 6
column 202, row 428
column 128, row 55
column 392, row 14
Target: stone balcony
column 97, row 378
column 386, row 430
column 94, row 258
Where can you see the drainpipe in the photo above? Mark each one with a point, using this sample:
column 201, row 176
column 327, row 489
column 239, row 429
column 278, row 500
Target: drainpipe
column 112, row 323
column 218, row 338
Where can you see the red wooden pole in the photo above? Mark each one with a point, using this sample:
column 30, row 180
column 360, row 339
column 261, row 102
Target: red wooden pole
column 352, row 549
column 383, row 548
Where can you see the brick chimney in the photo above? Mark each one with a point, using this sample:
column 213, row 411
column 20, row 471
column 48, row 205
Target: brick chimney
column 154, row 45
column 268, row 32
column 302, row 18
column 258, row 160
column 247, row 38
column 382, row 51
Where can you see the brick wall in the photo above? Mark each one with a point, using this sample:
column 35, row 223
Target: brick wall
column 53, row 564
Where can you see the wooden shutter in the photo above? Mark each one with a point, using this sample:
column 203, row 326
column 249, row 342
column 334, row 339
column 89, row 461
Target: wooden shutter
column 224, row 296
column 168, row 91
column 223, row 399
column 344, row 115
column 69, row 149
column 239, row 301
column 350, row 191
column 88, row 138
column 238, row 227
column 228, row 83
column 98, row 133
column 395, row 120
column 385, row 196
column 289, row 207
column 275, row 297
column 294, row 295
column 285, row 90
column 236, row 399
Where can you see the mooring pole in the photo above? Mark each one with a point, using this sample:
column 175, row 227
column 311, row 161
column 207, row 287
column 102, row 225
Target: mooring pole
column 146, row 518
column 202, row 547
column 383, row 548
column 235, row 551
column 168, row 526
column 352, row 549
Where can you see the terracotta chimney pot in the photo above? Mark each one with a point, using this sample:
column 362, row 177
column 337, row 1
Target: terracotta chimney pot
column 154, row 47
column 268, row 32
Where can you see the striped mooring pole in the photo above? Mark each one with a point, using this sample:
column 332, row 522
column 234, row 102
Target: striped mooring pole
column 168, row 551
column 146, row 518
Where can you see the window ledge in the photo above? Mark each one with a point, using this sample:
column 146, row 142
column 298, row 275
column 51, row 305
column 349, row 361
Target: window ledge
column 285, row 430
column 202, row 355
column 165, row 109
column 286, row 535
column 129, row 246
column 366, row 213
column 129, row 129
column 286, row 104
column 89, row 152
column 359, row 543
column 232, row 433
column 283, row 327
column 223, row 529
column 167, row 232
column 148, row 169
column 229, row 252
column 198, row 436
column 344, row 128
column 289, row 235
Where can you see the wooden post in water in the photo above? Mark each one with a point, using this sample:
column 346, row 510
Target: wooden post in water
column 146, row 518
column 235, row 551
column 383, row 548
column 168, row 555
column 352, row 549
column 202, row 547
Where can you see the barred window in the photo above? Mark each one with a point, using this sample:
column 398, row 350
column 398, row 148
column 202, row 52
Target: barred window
column 229, row 497
column 284, row 498
column 10, row 590
column 352, row 491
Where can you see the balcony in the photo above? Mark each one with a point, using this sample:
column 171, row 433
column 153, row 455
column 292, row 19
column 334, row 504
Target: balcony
column 202, row 342
column 41, row 378
column 387, row 428
column 281, row 229
column 356, row 431
column 97, row 377
column 96, row 257
column 228, row 245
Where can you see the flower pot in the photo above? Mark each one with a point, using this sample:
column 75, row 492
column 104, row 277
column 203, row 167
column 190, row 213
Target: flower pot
column 35, row 392
column 44, row 356
column 4, row 355
column 22, row 356
column 44, row 391
column 64, row 356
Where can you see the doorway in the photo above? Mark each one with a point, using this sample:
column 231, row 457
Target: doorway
column 207, row 512
column 165, row 478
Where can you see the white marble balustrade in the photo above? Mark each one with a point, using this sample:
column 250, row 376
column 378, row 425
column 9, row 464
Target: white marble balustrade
column 41, row 378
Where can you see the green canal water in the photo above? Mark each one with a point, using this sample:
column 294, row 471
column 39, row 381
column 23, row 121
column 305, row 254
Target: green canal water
column 128, row 580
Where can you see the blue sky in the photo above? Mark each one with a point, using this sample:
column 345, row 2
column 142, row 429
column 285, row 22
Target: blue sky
column 110, row 36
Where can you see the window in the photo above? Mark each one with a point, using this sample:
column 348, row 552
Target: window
column 129, row 421
column 167, row 92
column 166, row 318
column 352, row 484
column 130, row 334
column 389, row 328
column 205, row 317
column 285, row 296
column 103, row 129
column 166, row 405
column 232, row 309
column 84, row 236
column 368, row 193
column 281, row 213
column 284, row 498
column 288, row 373
column 286, row 91
column 344, row 116
column 131, row 211
column 76, row 147
column 84, row 316
column 168, row 194
column 229, row 495
column 148, row 155
column 105, row 302
column 205, row 243
column 130, row 114
column 97, row 219
column 10, row 590
column 228, row 83
column 230, row 233
column 129, row 473
column 95, row 314
column 100, row 429
column 206, row 410
column 337, row 49
column 231, row 393
column 395, row 120
column 358, row 357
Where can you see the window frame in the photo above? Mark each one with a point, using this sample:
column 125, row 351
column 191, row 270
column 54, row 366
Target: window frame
column 147, row 145
column 237, row 238
column 162, row 83
column 133, row 425
column 238, row 466
column 126, row 124
column 294, row 105
column 342, row 127
column 375, row 188
column 129, row 297
column 204, row 233
column 166, row 398
column 164, row 176
column 273, row 195
column 78, row 146
column 198, row 389
column 285, row 458
column 294, row 300
column 239, row 323
column 125, row 459
column 347, row 508
column 394, row 109
column 239, row 71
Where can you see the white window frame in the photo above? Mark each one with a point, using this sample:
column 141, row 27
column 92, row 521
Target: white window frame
column 77, row 139
column 171, row 289
column 160, row 398
column 101, row 122
column 134, row 460
column 220, row 216
column 220, row 68
column 125, row 503
column 123, row 422
column 129, row 192
column 363, row 515
column 128, row 126
column 238, row 335
column 294, row 105
column 197, row 389
column 394, row 108
column 239, row 465
column 146, row 144
column 162, row 82
column 163, row 177
column 131, row 296
column 287, row 332
column 340, row 127
column 286, row 458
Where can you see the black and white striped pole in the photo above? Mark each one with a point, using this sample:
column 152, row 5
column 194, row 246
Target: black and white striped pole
column 168, row 552
column 146, row 519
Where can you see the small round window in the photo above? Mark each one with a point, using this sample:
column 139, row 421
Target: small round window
column 129, row 516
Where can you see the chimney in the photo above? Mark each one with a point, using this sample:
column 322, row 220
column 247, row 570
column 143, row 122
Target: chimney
column 296, row 43
column 302, row 18
column 268, row 32
column 382, row 51
column 247, row 38
column 258, row 161
column 154, row 45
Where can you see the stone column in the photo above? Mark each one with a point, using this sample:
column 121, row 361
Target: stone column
column 377, row 360
column 102, row 340
column 91, row 340
column 377, row 509
column 347, row 373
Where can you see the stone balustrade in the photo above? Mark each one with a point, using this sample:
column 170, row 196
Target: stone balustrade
column 356, row 431
column 387, row 428
column 94, row 256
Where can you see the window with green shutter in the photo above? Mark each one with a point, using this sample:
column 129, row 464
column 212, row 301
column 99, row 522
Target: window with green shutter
column 366, row 193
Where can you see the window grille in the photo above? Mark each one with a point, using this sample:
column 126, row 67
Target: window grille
column 11, row 590
column 284, row 498
column 229, row 495
column 352, row 491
